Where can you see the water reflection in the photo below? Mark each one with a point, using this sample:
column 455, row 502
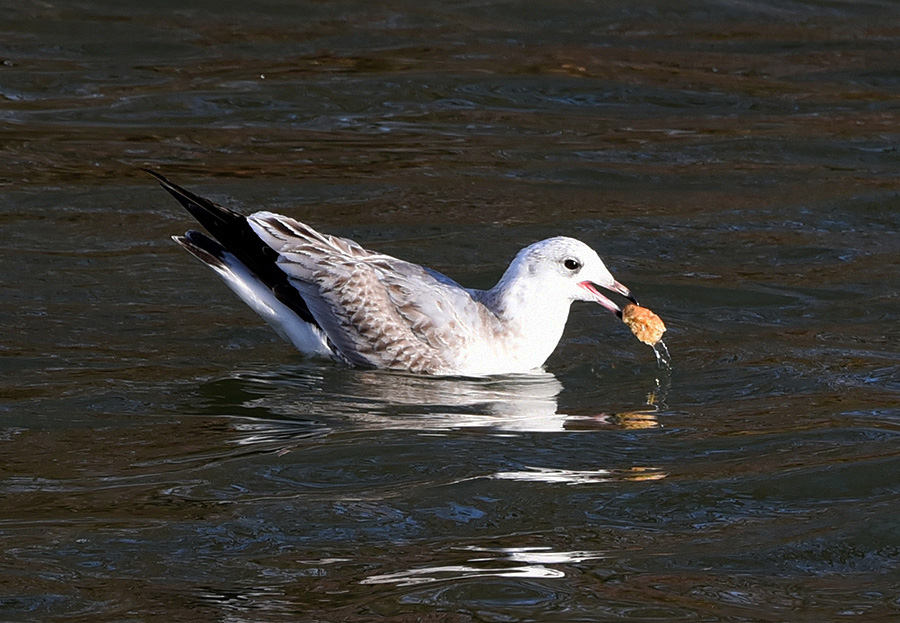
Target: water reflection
column 386, row 400
column 242, row 605
column 447, row 573
column 580, row 477
column 522, row 403
column 512, row 562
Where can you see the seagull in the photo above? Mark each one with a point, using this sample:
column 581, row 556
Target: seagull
column 330, row 297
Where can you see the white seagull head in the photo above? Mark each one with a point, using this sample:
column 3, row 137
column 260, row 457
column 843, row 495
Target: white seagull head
column 567, row 269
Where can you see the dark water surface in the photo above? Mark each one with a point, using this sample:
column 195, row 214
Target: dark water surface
column 165, row 457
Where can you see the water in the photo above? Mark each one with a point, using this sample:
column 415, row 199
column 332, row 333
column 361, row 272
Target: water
column 164, row 456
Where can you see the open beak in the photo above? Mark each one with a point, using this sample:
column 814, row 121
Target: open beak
column 605, row 302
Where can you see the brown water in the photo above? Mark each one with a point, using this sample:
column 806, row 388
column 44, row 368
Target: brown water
column 163, row 456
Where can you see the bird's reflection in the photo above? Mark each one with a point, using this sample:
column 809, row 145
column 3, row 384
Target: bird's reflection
column 521, row 403
column 385, row 400
column 286, row 409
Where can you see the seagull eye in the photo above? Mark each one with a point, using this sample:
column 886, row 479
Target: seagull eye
column 571, row 264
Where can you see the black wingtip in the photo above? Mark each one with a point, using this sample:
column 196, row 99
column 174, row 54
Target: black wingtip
column 158, row 176
column 217, row 220
column 162, row 179
column 231, row 233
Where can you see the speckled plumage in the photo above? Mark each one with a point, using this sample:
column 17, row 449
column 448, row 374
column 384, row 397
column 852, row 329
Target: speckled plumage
column 377, row 310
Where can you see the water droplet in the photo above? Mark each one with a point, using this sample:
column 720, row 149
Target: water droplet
column 657, row 399
column 663, row 359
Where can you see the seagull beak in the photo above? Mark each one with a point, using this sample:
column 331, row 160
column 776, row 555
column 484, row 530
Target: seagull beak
column 605, row 302
column 618, row 287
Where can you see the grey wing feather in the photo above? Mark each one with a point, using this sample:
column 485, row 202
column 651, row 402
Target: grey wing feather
column 376, row 310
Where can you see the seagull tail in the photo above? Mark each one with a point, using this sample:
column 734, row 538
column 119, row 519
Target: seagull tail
column 234, row 237
column 262, row 299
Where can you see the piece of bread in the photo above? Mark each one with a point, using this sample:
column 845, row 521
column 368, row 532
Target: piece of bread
column 646, row 326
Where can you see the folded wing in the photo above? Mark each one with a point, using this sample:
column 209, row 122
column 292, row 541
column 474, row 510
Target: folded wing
column 377, row 310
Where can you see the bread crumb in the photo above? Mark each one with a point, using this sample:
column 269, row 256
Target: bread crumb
column 646, row 326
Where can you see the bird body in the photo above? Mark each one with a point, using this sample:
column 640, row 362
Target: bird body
column 331, row 297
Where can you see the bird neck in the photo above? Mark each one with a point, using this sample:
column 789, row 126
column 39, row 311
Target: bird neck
column 529, row 315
